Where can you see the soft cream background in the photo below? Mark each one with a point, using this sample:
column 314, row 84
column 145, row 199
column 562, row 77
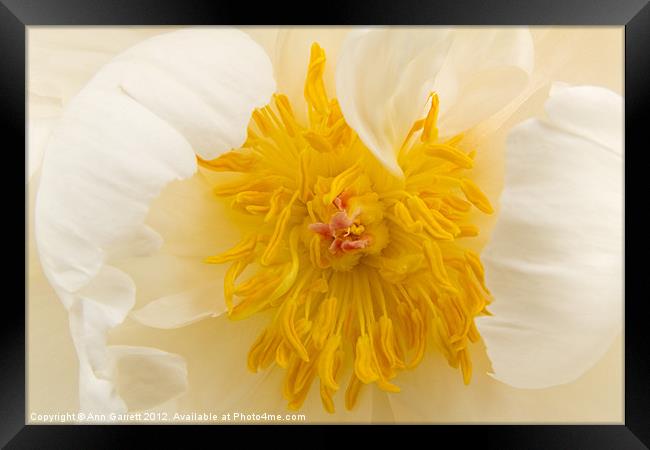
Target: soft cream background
column 587, row 55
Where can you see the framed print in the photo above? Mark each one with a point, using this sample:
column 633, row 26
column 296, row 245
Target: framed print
column 376, row 219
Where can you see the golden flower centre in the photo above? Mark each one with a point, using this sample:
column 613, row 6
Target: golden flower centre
column 364, row 271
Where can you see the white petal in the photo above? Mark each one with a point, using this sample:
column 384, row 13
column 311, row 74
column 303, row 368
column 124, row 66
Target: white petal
column 266, row 37
column 88, row 328
column 484, row 70
column 99, row 173
column 143, row 241
column 116, row 146
column 194, row 224
column 434, row 392
column 146, row 377
column 102, row 304
column 384, row 78
column 111, row 291
column 96, row 144
column 192, row 221
column 38, row 132
column 219, row 379
column 207, row 94
column 43, row 114
column 60, row 61
column 554, row 263
column 184, row 308
column 215, row 350
column 589, row 111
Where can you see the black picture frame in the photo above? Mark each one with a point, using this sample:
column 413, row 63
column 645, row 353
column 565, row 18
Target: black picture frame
column 16, row 15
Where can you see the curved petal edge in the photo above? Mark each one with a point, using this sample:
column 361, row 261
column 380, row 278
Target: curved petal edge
column 554, row 263
column 135, row 127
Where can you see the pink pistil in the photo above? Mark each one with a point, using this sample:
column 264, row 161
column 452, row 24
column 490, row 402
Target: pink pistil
column 340, row 221
column 355, row 245
column 338, row 229
column 341, row 200
column 335, row 246
column 321, row 228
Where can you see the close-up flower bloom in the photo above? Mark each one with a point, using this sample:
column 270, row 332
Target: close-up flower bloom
column 366, row 225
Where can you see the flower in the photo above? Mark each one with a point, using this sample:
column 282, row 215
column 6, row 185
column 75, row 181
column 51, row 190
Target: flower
column 354, row 215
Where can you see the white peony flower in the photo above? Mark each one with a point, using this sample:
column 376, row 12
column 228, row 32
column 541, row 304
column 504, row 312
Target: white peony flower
column 316, row 206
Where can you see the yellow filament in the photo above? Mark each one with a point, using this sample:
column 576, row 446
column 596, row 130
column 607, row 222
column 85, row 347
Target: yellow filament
column 430, row 131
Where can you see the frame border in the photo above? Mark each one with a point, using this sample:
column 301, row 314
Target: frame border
column 16, row 15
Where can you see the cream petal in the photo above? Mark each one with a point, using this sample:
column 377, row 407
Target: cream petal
column 52, row 365
column 51, row 359
column 99, row 174
column 42, row 117
column 184, row 308
column 484, row 70
column 163, row 274
column 116, row 146
column 580, row 55
column 266, row 395
column 142, row 242
column 434, row 392
column 194, row 224
column 59, row 63
column 146, row 377
column 112, row 292
column 266, row 37
column 100, row 305
column 382, row 408
column 591, row 112
column 192, row 221
column 208, row 99
column 554, row 263
column 219, row 380
column 383, row 78
column 215, row 350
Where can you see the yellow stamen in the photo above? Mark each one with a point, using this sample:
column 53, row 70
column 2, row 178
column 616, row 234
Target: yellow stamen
column 429, row 129
column 241, row 250
column 278, row 233
column 327, row 362
column 476, row 196
column 450, row 154
column 356, row 266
